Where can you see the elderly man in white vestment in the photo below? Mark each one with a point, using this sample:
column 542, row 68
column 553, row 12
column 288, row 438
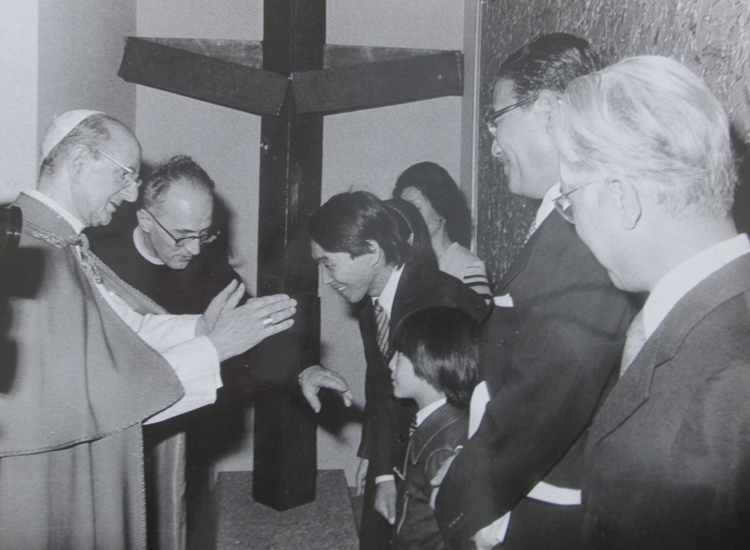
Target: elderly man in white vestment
column 86, row 359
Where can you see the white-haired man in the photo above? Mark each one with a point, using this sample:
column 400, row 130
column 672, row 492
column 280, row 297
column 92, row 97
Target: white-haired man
column 87, row 359
column 648, row 180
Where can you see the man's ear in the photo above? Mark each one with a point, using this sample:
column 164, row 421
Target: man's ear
column 628, row 203
column 547, row 106
column 376, row 252
column 144, row 220
column 76, row 160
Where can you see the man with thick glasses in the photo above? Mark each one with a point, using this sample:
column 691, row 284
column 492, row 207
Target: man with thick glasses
column 165, row 245
column 86, row 360
column 552, row 343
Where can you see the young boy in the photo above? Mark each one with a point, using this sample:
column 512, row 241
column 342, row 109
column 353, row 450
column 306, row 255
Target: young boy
column 435, row 363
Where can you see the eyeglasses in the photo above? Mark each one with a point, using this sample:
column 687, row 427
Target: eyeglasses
column 131, row 176
column 491, row 117
column 181, row 242
column 565, row 207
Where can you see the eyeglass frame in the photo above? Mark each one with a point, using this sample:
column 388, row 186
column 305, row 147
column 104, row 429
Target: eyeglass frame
column 131, row 175
column 181, row 242
column 490, row 119
column 569, row 217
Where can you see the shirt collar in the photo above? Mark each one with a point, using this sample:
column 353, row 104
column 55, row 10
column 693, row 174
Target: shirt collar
column 389, row 292
column 141, row 248
column 75, row 223
column 686, row 276
column 548, row 205
column 422, row 414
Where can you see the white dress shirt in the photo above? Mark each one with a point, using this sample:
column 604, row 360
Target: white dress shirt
column 685, row 277
column 424, row 412
column 385, row 300
column 389, row 291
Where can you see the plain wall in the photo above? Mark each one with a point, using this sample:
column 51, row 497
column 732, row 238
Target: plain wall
column 19, row 50
column 362, row 150
column 57, row 56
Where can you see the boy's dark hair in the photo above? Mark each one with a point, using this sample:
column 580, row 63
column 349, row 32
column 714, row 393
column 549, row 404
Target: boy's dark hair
column 549, row 62
column 443, row 194
column 346, row 222
column 441, row 343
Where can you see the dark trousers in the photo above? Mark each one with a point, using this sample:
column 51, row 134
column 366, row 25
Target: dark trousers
column 375, row 532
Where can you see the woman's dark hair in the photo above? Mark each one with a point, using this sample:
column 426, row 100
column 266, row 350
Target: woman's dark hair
column 441, row 343
column 438, row 187
column 412, row 224
column 348, row 221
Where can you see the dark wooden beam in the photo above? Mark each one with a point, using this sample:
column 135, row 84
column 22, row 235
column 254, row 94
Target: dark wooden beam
column 376, row 84
column 337, row 55
column 285, row 466
column 254, row 77
column 202, row 77
column 244, row 52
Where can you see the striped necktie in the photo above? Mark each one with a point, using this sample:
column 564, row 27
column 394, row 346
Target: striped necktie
column 381, row 317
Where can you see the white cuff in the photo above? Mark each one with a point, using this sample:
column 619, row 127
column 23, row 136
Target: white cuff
column 196, row 364
column 493, row 534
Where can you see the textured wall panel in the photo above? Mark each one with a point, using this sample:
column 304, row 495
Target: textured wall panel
column 709, row 36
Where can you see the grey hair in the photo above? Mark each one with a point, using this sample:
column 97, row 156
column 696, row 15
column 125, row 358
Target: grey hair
column 651, row 119
column 93, row 132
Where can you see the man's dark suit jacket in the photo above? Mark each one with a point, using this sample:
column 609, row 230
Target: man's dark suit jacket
column 547, row 362
column 668, row 454
column 385, row 431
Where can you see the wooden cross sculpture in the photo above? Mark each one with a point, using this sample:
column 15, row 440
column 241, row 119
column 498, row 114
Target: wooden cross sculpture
column 292, row 79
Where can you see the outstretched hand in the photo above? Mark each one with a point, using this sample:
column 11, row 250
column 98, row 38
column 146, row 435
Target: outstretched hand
column 226, row 299
column 312, row 379
column 233, row 330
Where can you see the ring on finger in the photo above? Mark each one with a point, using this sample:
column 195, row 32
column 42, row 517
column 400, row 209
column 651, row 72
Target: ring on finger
column 267, row 321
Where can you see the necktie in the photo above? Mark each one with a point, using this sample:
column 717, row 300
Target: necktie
column 381, row 317
column 634, row 341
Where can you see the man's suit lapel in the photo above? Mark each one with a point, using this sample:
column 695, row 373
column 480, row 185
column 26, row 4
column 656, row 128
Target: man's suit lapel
column 633, row 389
column 522, row 258
column 404, row 296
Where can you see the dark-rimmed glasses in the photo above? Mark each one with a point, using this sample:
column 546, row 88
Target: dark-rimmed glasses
column 565, row 206
column 493, row 115
column 181, row 242
column 131, row 176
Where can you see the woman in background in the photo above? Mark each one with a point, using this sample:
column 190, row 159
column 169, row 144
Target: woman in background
column 430, row 188
column 414, row 231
